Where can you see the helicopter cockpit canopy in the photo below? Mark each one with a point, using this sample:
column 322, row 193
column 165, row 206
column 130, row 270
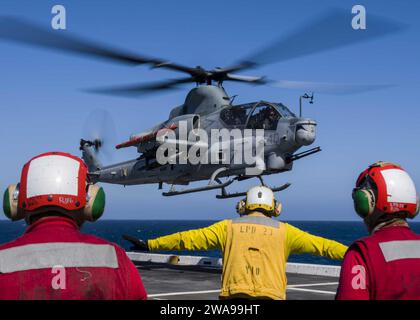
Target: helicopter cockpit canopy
column 260, row 115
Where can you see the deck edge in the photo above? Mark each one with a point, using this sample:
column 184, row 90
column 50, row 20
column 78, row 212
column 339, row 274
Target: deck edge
column 211, row 262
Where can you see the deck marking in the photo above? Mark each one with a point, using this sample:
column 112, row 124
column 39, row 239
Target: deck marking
column 312, row 284
column 314, row 291
column 296, row 287
column 181, row 293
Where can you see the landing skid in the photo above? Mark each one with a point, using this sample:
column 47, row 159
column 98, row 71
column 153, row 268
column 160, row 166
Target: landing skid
column 215, row 183
column 227, row 195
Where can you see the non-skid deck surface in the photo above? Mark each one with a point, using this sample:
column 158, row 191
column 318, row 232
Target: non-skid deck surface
column 168, row 283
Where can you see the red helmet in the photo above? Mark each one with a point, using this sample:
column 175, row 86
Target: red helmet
column 386, row 187
column 53, row 179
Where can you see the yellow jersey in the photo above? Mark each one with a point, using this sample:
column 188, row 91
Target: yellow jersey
column 255, row 251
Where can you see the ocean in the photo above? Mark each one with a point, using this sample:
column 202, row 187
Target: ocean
column 344, row 232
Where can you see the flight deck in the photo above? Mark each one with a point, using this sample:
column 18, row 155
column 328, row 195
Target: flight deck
column 169, row 277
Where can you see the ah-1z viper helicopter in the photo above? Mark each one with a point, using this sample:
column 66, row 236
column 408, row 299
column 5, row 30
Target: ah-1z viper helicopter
column 208, row 106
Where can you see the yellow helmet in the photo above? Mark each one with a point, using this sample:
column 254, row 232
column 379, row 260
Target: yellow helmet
column 259, row 198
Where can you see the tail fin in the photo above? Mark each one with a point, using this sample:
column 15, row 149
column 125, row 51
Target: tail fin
column 89, row 150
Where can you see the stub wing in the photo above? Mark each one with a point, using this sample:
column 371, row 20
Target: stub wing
column 149, row 136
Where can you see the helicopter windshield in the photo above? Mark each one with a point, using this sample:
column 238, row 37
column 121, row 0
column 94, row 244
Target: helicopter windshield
column 264, row 117
column 284, row 111
column 236, row 116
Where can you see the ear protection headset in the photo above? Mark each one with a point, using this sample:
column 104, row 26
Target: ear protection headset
column 54, row 181
column 10, row 203
column 92, row 211
column 364, row 201
column 240, row 207
column 95, row 203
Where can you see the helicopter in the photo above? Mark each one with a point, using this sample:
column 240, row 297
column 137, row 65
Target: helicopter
column 209, row 107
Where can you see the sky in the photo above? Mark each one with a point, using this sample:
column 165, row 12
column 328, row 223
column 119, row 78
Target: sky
column 44, row 108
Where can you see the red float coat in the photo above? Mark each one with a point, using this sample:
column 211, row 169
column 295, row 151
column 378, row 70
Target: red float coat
column 54, row 260
column 383, row 266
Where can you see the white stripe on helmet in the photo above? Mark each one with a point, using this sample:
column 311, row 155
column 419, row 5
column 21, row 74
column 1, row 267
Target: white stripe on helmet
column 400, row 188
column 53, row 174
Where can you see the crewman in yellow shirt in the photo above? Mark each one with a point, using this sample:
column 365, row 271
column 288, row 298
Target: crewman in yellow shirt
column 255, row 247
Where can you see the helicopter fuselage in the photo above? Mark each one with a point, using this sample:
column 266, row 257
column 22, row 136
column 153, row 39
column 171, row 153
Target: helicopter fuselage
column 209, row 108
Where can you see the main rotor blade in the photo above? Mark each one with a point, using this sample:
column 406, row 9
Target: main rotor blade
column 329, row 88
column 22, row 31
column 329, row 31
column 137, row 89
column 247, row 79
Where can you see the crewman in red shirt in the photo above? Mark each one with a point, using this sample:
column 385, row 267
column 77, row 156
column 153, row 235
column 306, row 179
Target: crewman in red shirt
column 386, row 264
column 53, row 259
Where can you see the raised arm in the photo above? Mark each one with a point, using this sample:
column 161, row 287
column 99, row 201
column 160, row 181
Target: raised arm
column 298, row 241
column 210, row 238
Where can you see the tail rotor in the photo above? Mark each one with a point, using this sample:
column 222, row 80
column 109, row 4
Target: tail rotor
column 100, row 133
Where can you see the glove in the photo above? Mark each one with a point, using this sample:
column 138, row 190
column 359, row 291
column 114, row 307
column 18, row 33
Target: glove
column 138, row 244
